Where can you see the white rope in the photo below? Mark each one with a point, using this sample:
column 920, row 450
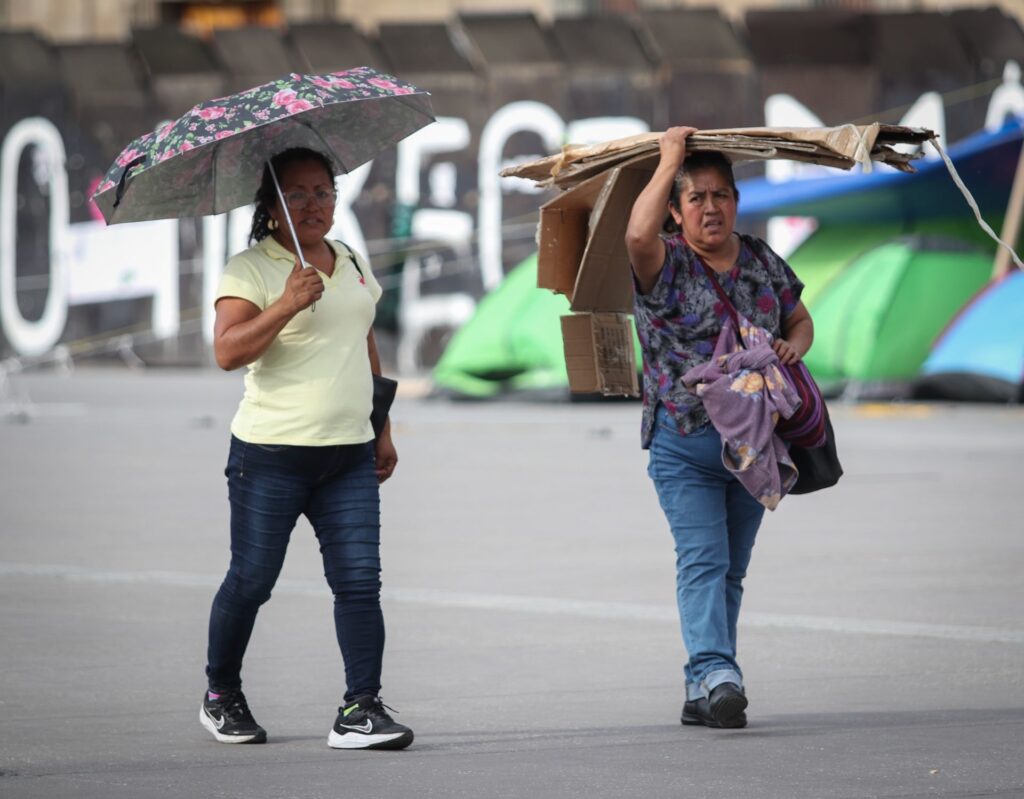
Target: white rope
column 862, row 153
column 974, row 206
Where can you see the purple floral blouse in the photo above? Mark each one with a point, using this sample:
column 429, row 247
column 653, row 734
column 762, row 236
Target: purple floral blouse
column 678, row 322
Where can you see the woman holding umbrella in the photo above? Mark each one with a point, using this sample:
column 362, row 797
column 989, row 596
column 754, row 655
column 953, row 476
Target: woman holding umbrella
column 302, row 440
column 302, row 443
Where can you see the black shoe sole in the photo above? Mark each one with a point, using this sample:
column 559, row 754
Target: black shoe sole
column 728, row 708
column 397, row 743
column 689, row 720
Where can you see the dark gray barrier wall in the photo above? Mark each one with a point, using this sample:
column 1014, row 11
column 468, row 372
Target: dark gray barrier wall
column 522, row 65
column 433, row 215
column 181, row 69
column 708, row 76
column 610, row 73
column 825, row 59
column 919, row 49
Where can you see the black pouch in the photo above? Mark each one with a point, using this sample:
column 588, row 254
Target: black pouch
column 384, row 389
column 819, row 467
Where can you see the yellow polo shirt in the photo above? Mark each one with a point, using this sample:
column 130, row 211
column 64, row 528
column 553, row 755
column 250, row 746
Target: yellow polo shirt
column 313, row 385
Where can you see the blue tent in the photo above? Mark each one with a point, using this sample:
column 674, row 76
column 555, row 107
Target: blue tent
column 985, row 161
column 983, row 346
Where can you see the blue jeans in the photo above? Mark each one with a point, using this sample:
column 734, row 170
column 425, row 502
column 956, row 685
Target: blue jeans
column 336, row 488
column 714, row 521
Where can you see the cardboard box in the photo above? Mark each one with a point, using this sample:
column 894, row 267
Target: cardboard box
column 581, row 240
column 582, row 254
column 599, row 354
column 563, row 233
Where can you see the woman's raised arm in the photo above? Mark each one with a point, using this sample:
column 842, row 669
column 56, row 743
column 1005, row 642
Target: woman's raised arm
column 645, row 247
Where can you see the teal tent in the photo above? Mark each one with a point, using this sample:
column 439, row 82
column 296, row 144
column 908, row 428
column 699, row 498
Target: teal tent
column 980, row 355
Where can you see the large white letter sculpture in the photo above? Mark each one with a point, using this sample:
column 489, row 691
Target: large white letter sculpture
column 33, row 338
column 518, row 117
column 1007, row 99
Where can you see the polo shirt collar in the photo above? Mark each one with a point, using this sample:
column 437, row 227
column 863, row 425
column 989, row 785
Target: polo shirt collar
column 272, row 249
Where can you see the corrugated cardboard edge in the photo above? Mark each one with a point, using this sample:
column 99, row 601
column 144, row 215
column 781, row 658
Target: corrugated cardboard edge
column 604, row 281
column 599, row 354
column 563, row 231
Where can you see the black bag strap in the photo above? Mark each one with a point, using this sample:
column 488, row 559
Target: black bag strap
column 708, row 272
column 383, row 387
column 352, row 255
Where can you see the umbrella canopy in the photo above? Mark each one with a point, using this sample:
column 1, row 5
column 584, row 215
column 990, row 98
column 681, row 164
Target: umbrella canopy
column 210, row 160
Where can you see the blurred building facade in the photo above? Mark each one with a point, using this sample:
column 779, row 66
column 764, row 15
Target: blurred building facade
column 68, row 20
column 79, row 80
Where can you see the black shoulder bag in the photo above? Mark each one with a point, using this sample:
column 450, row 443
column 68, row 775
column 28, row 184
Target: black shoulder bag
column 818, row 467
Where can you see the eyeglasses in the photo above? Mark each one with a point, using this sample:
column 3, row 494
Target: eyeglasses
column 298, row 199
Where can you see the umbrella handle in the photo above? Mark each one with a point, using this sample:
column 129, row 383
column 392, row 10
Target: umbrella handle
column 291, row 226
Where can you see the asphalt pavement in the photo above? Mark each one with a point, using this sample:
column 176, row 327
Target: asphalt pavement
column 533, row 642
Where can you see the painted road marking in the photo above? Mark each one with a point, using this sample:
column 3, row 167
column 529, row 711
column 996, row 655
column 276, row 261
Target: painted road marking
column 552, row 606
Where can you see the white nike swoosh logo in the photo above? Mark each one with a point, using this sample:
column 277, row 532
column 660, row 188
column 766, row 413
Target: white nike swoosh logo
column 367, row 727
column 217, row 722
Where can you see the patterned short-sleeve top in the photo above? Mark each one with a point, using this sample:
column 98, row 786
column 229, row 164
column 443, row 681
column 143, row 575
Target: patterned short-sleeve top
column 678, row 322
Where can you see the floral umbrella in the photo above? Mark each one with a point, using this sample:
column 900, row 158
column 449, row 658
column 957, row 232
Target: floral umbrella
column 211, row 159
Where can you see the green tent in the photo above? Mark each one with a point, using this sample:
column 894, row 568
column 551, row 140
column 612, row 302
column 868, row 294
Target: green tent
column 513, row 342
column 830, row 249
column 878, row 304
column 833, row 247
column 876, row 319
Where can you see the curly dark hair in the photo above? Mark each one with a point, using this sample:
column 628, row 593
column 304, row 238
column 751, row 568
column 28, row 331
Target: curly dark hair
column 694, row 163
column 266, row 195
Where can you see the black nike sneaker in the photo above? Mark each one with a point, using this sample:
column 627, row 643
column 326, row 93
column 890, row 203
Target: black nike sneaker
column 364, row 723
column 229, row 719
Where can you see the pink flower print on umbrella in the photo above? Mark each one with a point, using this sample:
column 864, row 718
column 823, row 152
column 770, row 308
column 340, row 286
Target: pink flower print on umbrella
column 351, row 116
column 331, row 82
column 297, row 106
column 128, row 156
column 212, row 112
column 283, row 97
